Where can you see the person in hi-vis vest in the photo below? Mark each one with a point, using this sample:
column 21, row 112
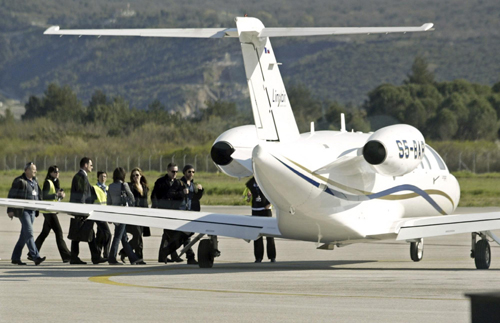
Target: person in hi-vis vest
column 103, row 236
column 52, row 191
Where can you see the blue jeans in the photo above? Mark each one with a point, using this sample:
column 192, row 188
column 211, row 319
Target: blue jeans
column 26, row 237
column 121, row 235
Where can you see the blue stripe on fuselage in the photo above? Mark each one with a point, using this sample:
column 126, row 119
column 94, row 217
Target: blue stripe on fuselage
column 350, row 197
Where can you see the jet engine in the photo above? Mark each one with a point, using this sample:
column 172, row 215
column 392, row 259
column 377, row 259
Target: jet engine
column 395, row 150
column 232, row 151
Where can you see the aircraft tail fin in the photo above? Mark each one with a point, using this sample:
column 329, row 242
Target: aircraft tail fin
column 271, row 108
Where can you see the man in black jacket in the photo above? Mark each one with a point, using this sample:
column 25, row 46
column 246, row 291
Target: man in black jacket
column 25, row 187
column 168, row 193
column 82, row 192
column 261, row 207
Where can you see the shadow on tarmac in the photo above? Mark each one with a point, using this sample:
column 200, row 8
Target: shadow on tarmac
column 48, row 270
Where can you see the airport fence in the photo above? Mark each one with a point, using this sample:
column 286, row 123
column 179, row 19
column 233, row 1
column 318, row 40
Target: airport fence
column 475, row 161
column 109, row 163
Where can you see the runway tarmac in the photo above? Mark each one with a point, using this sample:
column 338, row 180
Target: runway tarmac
column 374, row 282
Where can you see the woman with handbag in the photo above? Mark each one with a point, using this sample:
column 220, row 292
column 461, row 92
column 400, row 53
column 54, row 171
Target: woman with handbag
column 119, row 194
column 139, row 187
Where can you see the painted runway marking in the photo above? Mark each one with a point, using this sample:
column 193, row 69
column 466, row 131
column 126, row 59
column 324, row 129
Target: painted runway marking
column 106, row 279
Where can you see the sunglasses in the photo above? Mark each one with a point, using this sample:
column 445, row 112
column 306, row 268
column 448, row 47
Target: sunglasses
column 174, row 171
column 190, row 172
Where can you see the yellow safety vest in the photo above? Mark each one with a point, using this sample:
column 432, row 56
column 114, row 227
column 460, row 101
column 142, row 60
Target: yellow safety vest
column 52, row 190
column 102, row 198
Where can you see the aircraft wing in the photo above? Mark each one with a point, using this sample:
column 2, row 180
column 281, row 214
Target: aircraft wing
column 228, row 225
column 448, row 224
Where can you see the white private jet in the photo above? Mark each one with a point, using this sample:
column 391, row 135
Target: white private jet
column 331, row 187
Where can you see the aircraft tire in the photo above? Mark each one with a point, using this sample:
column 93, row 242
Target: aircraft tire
column 417, row 250
column 205, row 254
column 482, row 254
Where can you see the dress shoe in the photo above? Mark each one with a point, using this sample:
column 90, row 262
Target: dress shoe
column 258, row 260
column 140, row 263
column 177, row 259
column 273, row 259
column 66, row 260
column 18, row 262
column 136, row 262
column 192, row 262
column 39, row 260
column 77, row 262
column 30, row 258
column 115, row 263
column 99, row 261
column 123, row 255
column 168, row 260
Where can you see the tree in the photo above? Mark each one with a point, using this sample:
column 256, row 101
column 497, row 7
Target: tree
column 61, row 104
column 482, row 123
column 496, row 88
column 444, row 126
column 34, row 108
column 388, row 100
column 420, row 73
column 306, row 108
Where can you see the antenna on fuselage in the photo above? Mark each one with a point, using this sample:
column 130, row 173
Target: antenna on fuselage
column 342, row 123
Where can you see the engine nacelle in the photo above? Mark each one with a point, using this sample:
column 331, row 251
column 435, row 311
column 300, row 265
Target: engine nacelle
column 395, row 150
column 232, row 151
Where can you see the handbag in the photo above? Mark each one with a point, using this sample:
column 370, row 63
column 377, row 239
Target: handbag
column 80, row 229
column 124, row 199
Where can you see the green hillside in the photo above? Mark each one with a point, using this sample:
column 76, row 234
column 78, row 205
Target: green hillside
column 183, row 74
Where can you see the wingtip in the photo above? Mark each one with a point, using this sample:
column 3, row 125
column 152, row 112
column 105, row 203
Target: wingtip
column 428, row 26
column 51, row 30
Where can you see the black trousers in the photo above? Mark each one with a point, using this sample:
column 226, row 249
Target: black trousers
column 94, row 251
column 51, row 222
column 258, row 245
column 103, row 238
column 170, row 242
column 136, row 242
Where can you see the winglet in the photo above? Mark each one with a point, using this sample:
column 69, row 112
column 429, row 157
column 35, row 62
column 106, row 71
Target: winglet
column 51, row 30
column 428, row 26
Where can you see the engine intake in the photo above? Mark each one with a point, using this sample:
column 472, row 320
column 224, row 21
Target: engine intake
column 232, row 151
column 395, row 150
column 374, row 152
column 221, row 153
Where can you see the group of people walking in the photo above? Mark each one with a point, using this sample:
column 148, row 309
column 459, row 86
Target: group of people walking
column 168, row 192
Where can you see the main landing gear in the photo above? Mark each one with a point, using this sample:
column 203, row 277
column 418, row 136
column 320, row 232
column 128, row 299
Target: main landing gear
column 207, row 251
column 417, row 250
column 480, row 250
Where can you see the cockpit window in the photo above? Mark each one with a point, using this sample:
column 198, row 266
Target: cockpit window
column 438, row 159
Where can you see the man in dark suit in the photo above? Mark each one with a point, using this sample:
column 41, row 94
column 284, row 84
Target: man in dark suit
column 169, row 193
column 82, row 192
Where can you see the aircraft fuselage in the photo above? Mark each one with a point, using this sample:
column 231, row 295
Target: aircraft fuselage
column 346, row 201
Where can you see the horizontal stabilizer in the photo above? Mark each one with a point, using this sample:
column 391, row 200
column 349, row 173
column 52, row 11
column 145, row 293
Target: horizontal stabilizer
column 228, row 225
column 446, row 225
column 319, row 31
column 148, row 32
